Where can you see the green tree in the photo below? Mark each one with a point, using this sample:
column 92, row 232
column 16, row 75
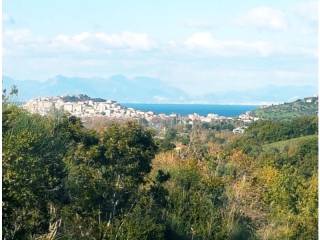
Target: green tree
column 104, row 177
column 33, row 172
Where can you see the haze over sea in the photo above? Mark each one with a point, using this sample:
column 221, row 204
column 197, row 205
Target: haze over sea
column 201, row 109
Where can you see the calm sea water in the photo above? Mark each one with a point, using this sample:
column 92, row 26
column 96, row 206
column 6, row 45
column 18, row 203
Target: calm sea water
column 185, row 109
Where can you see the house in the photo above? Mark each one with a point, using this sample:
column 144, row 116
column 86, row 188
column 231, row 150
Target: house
column 68, row 107
column 238, row 130
column 78, row 108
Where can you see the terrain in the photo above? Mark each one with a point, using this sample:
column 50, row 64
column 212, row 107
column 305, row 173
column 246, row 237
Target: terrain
column 289, row 110
column 142, row 89
column 123, row 180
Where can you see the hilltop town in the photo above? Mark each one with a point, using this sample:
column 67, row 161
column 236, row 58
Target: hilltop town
column 83, row 106
column 90, row 109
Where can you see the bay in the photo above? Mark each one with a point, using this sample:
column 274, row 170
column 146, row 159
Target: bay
column 185, row 109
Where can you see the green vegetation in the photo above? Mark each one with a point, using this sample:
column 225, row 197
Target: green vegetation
column 64, row 181
column 291, row 143
column 81, row 97
column 301, row 107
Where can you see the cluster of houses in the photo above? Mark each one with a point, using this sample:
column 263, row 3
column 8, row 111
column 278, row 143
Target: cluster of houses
column 107, row 108
column 209, row 118
column 247, row 118
column 84, row 108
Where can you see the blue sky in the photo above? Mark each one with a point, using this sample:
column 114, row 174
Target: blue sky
column 198, row 46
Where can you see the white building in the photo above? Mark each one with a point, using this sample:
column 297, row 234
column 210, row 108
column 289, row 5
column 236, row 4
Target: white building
column 68, row 107
column 238, row 130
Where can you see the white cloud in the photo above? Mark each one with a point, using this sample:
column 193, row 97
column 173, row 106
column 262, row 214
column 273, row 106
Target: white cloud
column 205, row 41
column 18, row 36
column 19, row 41
column 308, row 10
column 265, row 18
column 197, row 24
column 23, row 40
column 100, row 40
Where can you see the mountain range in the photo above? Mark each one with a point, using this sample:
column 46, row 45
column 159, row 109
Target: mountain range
column 149, row 90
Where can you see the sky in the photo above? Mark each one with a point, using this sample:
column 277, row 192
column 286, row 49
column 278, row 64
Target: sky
column 200, row 47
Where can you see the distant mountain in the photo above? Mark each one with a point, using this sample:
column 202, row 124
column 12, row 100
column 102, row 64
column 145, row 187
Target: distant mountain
column 150, row 90
column 265, row 95
column 301, row 107
column 118, row 87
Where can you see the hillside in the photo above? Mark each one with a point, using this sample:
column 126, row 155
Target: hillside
column 290, row 143
column 194, row 183
column 81, row 97
column 298, row 108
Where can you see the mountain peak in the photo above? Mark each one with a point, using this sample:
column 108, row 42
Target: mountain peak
column 118, row 87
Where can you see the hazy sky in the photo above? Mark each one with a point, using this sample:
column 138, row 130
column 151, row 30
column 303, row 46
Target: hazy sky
column 199, row 46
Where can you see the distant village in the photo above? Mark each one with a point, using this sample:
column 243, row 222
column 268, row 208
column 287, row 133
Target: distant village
column 83, row 107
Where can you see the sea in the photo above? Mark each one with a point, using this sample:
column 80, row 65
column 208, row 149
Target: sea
column 185, row 109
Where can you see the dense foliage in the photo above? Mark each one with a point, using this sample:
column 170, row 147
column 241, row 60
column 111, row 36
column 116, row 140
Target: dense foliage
column 298, row 108
column 81, row 97
column 64, row 181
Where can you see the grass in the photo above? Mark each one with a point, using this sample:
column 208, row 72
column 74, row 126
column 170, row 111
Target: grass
column 289, row 143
